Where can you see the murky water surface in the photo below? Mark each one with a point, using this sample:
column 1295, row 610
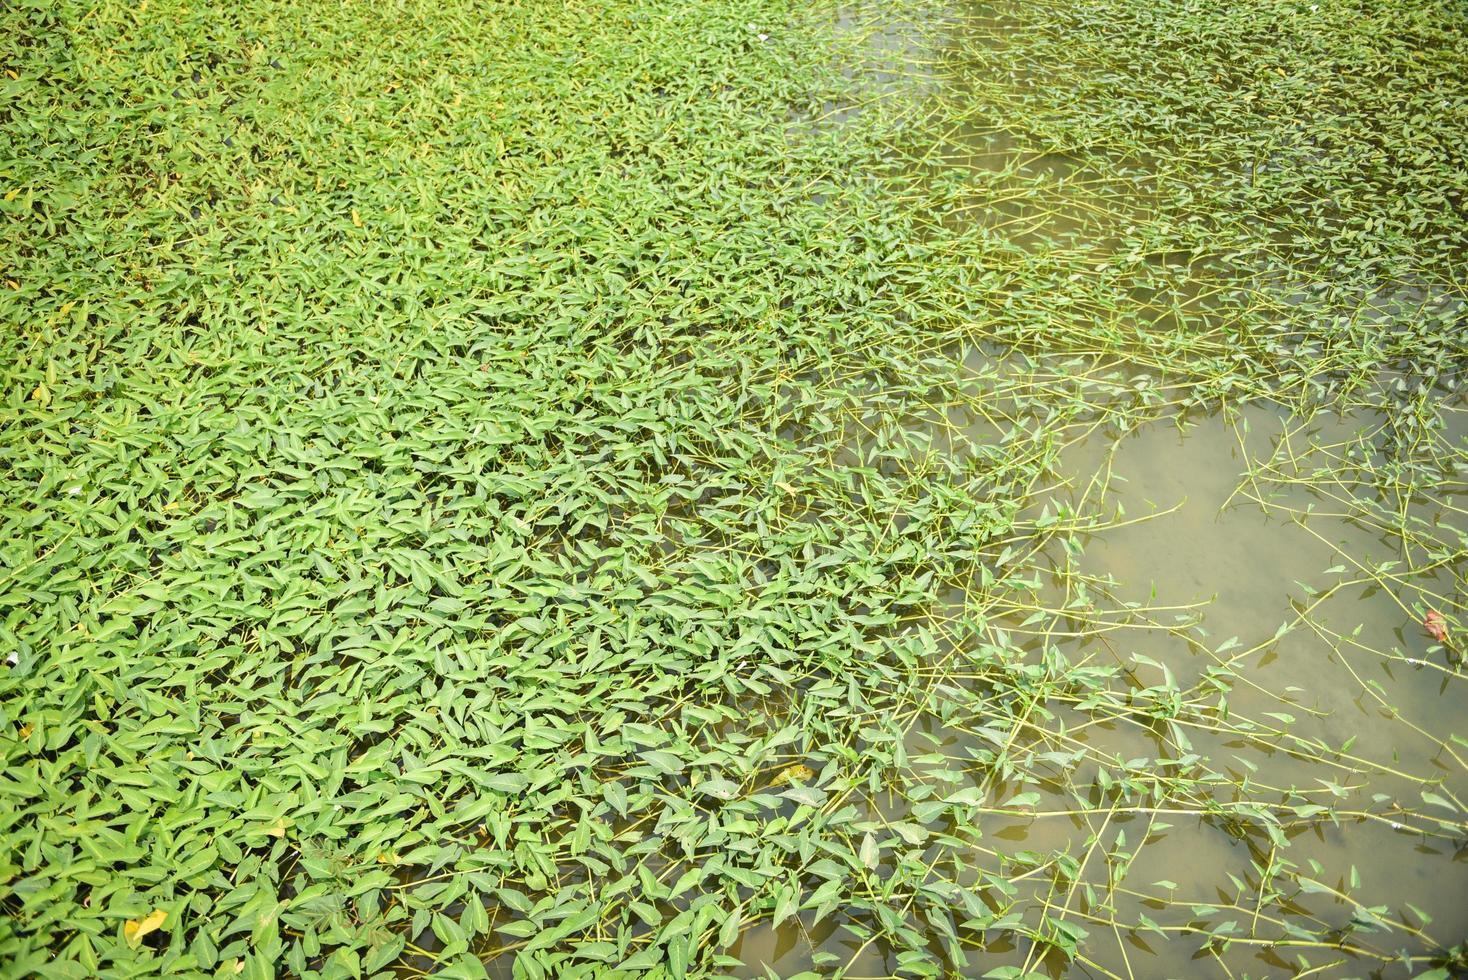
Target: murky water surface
column 1209, row 556
column 1246, row 573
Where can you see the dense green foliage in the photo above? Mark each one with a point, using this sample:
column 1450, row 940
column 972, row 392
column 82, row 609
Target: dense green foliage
column 461, row 460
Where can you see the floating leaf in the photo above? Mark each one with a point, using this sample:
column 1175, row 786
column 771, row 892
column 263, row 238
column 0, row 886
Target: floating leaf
column 912, row 833
column 807, row 795
column 721, row 789
column 1436, row 625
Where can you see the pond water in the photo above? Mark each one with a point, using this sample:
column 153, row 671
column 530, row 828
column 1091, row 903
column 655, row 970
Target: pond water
column 1204, row 553
column 1258, row 579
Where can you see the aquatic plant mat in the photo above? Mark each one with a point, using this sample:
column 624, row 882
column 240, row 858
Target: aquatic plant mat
column 734, row 489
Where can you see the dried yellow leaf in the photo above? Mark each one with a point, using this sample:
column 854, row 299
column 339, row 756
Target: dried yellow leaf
column 356, row 218
column 134, row 930
column 800, row 772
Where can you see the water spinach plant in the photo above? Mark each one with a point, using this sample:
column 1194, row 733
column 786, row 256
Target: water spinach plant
column 629, row 488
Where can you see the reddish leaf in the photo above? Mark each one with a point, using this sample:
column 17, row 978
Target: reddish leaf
column 1436, row 626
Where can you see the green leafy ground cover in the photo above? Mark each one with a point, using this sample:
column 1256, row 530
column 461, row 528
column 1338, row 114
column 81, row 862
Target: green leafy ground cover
column 506, row 487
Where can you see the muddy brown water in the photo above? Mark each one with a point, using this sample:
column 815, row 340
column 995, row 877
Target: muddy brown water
column 1352, row 708
column 1220, row 553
